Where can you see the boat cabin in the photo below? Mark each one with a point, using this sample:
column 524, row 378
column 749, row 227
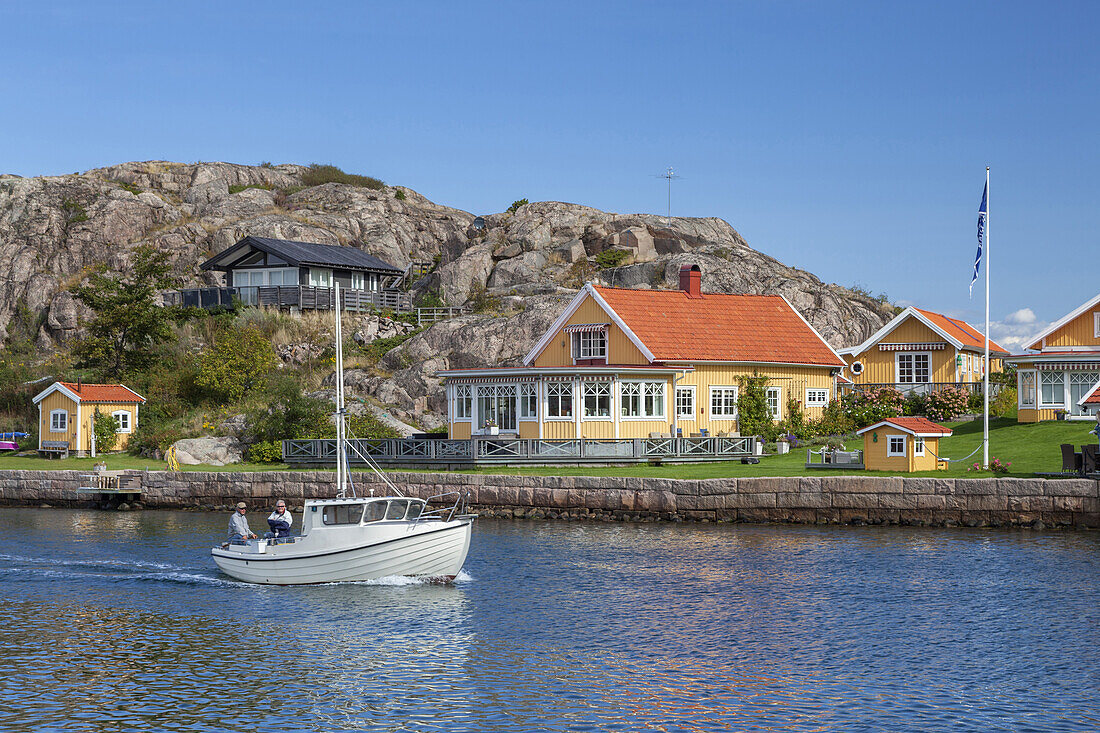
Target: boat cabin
column 357, row 512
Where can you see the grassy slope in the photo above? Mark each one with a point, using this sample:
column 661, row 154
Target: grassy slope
column 1030, row 448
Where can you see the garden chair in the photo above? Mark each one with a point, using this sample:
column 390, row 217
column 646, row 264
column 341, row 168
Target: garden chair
column 1089, row 458
column 1071, row 460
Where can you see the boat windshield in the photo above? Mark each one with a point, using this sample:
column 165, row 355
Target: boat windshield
column 376, row 511
column 415, row 508
column 343, row 514
column 397, row 510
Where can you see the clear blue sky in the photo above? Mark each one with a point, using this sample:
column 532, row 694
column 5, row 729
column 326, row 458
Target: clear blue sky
column 849, row 139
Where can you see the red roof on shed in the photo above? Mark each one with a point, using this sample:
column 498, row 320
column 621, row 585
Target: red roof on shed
column 103, row 392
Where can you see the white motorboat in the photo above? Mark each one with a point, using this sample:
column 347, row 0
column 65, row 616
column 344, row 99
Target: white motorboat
column 350, row 538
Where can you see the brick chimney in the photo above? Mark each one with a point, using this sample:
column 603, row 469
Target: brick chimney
column 691, row 280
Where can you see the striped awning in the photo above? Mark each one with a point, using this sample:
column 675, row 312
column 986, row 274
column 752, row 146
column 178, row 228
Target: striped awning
column 1069, row 366
column 586, row 327
column 935, row 346
column 491, row 380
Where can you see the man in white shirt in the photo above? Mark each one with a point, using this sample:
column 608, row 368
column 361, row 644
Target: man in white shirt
column 280, row 520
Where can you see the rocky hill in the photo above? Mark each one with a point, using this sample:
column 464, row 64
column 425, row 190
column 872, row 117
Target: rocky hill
column 516, row 268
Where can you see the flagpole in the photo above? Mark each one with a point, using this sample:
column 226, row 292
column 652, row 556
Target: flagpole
column 985, row 433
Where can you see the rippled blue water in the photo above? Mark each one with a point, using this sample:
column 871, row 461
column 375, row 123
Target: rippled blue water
column 117, row 622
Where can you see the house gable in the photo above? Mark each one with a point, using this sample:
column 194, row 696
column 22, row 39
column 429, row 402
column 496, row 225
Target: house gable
column 1076, row 329
column 554, row 348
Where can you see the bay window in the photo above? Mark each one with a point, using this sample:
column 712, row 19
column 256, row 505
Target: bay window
column 559, row 399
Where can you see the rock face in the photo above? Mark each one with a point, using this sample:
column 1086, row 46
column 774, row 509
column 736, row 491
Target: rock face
column 209, row 451
column 518, row 270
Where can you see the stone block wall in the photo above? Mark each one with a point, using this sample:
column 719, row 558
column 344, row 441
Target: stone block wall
column 812, row 499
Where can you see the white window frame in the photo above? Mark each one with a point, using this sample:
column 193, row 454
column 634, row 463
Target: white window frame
column 914, row 354
column 918, row 446
column 685, row 402
column 555, row 391
column 821, row 395
column 725, row 390
column 320, row 277
column 464, row 403
column 119, row 415
column 647, row 394
column 596, row 390
column 267, row 276
column 590, row 345
column 1021, row 392
column 1096, row 324
column 358, row 281
column 1061, row 395
column 890, row 452
column 776, row 411
column 56, row 425
column 528, row 401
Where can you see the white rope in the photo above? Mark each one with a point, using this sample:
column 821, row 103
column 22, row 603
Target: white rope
column 951, row 460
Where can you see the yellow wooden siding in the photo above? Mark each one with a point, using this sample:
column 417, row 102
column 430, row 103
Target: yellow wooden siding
column 790, row 380
column 1030, row 414
column 875, row 458
column 87, row 411
column 58, row 401
column 460, row 430
column 620, row 349
column 598, row 429
column 528, row 429
column 1081, row 331
column 559, row 430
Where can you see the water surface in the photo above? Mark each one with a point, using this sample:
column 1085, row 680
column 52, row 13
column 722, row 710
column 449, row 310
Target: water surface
column 118, row 622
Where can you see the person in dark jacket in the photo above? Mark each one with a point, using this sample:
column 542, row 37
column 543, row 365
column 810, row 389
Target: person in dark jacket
column 280, row 520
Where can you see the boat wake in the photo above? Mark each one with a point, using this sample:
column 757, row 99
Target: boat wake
column 16, row 567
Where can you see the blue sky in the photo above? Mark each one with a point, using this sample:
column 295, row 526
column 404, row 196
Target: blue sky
column 849, row 139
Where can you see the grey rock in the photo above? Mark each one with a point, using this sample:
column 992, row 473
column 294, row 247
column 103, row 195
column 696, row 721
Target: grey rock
column 215, row 451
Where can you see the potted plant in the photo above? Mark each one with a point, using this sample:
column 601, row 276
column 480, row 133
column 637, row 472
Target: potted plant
column 783, row 444
column 491, row 427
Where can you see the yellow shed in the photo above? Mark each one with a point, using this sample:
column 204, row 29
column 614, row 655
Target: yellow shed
column 66, row 411
column 903, row 444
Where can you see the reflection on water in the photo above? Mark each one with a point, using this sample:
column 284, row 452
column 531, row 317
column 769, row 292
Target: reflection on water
column 120, row 622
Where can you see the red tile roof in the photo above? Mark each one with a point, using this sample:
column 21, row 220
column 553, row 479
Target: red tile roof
column 1094, row 398
column 964, row 332
column 719, row 327
column 919, row 425
column 103, row 392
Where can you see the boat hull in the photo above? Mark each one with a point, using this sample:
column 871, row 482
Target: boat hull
column 433, row 550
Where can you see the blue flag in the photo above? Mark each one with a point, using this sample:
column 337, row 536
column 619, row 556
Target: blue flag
column 981, row 233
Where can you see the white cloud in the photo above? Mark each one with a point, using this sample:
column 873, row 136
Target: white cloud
column 1022, row 317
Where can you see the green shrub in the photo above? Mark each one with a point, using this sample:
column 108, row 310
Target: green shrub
column 400, row 195
column 611, row 258
column 266, row 164
column 238, row 188
column 866, row 406
column 74, row 212
column 1004, row 403
column 946, row 404
column 105, row 426
column 266, row 451
column 318, row 174
column 796, row 423
column 516, row 204
column 430, row 299
column 127, row 186
column 753, row 416
column 833, row 421
column 479, row 301
column 368, row 425
column 156, row 431
column 238, row 360
column 285, row 414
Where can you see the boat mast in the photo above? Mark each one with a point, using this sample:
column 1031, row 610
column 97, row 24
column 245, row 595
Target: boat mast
column 341, row 467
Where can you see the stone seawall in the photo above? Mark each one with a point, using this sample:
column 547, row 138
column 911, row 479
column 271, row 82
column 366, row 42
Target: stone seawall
column 806, row 500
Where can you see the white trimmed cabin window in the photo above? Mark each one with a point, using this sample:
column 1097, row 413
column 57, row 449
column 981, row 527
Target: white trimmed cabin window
column 590, row 345
column 528, row 401
column 597, row 399
column 59, row 421
column 358, row 281
column 643, row 399
column 685, row 403
column 914, row 368
column 320, row 277
column 918, row 446
column 559, row 399
column 723, row 402
column 123, row 418
column 464, row 402
column 775, row 402
column 817, row 397
column 895, row 445
column 1026, row 380
column 1052, row 389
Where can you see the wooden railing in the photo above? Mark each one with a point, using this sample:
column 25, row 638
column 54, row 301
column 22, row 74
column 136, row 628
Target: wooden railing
column 431, row 315
column 521, row 450
column 304, row 297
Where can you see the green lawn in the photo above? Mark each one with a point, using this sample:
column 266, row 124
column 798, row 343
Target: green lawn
column 1030, row 448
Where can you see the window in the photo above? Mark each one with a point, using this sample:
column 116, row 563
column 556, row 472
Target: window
column 1079, row 385
column 817, row 397
column 597, row 399
column 123, row 418
column 913, row 368
column 918, row 446
column 268, row 276
column 528, row 401
column 775, row 397
column 358, row 281
column 376, row 511
column 397, row 509
column 320, row 277
column 59, row 421
column 373, row 281
column 723, row 402
column 559, row 399
column 464, row 402
column 496, row 405
column 590, row 345
column 1026, row 382
column 343, row 514
column 1096, row 325
column 1051, row 389
column 895, row 445
column 685, row 403
column 643, row 399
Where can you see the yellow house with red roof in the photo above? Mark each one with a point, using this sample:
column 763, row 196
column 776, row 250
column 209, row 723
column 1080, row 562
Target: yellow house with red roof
column 903, row 444
column 1060, row 374
column 66, row 411
column 919, row 350
column 621, row 363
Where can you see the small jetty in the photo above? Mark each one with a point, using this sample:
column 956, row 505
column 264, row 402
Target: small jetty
column 112, row 488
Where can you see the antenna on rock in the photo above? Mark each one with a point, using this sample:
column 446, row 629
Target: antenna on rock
column 669, row 174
